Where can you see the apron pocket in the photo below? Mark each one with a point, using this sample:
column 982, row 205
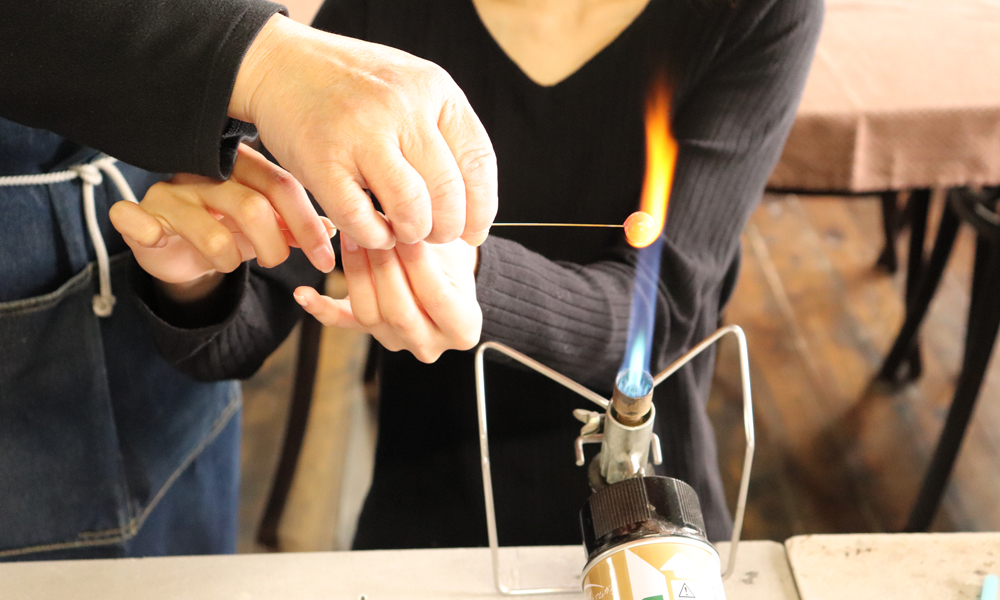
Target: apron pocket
column 60, row 465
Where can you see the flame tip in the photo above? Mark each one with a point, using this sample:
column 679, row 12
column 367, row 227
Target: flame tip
column 661, row 157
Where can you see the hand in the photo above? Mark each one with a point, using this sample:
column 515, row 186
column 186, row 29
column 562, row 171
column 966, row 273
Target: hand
column 417, row 297
column 189, row 230
column 345, row 115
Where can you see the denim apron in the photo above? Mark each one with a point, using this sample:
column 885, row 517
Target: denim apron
column 106, row 450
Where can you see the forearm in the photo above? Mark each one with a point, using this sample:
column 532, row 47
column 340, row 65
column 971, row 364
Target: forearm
column 117, row 75
column 575, row 318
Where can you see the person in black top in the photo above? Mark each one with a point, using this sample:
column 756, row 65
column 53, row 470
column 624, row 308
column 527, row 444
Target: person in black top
column 566, row 120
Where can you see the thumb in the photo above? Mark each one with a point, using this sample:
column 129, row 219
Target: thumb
column 330, row 312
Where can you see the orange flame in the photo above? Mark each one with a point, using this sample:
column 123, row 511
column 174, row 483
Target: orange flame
column 661, row 157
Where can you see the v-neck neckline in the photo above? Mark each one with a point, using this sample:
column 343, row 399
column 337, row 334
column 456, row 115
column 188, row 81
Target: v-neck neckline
column 579, row 71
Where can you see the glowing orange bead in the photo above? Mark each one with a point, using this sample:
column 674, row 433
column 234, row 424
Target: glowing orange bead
column 640, row 230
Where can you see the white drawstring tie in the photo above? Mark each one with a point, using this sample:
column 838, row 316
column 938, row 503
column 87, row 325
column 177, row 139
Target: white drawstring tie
column 90, row 175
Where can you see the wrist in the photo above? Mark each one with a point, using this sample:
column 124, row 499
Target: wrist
column 257, row 64
column 190, row 292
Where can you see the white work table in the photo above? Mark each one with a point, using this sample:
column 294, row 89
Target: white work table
column 944, row 566
column 938, row 566
column 459, row 574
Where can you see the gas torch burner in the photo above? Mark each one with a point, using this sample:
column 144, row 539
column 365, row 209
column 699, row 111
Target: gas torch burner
column 635, row 521
column 625, row 432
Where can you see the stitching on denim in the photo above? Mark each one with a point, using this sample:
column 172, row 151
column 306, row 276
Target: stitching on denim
column 121, row 534
column 38, row 303
column 81, row 279
column 136, row 522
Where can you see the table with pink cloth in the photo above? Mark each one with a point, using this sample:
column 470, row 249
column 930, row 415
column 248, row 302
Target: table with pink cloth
column 904, row 95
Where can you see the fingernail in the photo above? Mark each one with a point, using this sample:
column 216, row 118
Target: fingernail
column 300, row 299
column 327, row 259
column 349, row 244
column 331, row 229
column 477, row 238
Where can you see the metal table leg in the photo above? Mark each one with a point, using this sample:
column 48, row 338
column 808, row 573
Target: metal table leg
column 919, row 299
column 917, row 207
column 984, row 323
column 890, row 226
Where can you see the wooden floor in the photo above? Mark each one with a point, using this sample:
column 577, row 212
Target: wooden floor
column 834, row 454
column 266, row 399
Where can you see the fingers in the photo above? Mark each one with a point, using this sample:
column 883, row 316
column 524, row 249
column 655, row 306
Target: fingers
column 458, row 318
column 430, row 155
column 245, row 246
column 137, row 225
column 330, row 312
column 287, row 196
column 210, row 237
column 400, row 190
column 202, row 211
column 352, row 210
column 253, row 216
column 473, row 151
column 383, row 304
column 364, row 301
column 398, row 306
column 331, row 231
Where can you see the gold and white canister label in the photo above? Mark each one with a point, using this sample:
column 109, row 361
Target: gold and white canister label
column 658, row 569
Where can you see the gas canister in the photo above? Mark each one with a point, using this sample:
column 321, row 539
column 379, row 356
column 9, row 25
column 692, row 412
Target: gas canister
column 645, row 540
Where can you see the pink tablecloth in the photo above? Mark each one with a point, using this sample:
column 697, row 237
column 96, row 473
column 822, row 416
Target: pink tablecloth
column 903, row 94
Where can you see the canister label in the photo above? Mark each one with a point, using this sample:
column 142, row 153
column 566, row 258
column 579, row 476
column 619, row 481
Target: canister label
column 660, row 569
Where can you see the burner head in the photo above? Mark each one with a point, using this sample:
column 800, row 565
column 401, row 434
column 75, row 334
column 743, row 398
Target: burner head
column 632, row 398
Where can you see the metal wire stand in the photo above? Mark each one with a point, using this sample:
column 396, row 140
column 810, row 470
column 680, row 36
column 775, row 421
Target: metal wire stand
column 484, row 447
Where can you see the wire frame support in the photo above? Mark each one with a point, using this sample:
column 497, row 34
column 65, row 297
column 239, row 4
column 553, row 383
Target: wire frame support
column 484, row 449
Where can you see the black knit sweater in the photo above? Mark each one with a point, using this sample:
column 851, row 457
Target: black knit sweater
column 147, row 82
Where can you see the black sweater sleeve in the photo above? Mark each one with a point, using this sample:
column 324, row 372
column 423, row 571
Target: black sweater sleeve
column 145, row 81
column 731, row 128
column 234, row 330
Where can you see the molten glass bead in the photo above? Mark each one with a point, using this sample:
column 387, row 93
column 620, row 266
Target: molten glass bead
column 640, row 230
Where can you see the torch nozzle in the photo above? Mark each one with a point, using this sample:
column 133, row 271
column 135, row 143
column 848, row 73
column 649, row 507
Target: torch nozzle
column 633, row 397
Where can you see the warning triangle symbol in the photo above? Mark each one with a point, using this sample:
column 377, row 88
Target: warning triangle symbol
column 685, row 592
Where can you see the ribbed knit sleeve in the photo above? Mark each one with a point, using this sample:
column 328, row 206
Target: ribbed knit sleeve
column 731, row 126
column 248, row 317
column 148, row 82
column 570, row 317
